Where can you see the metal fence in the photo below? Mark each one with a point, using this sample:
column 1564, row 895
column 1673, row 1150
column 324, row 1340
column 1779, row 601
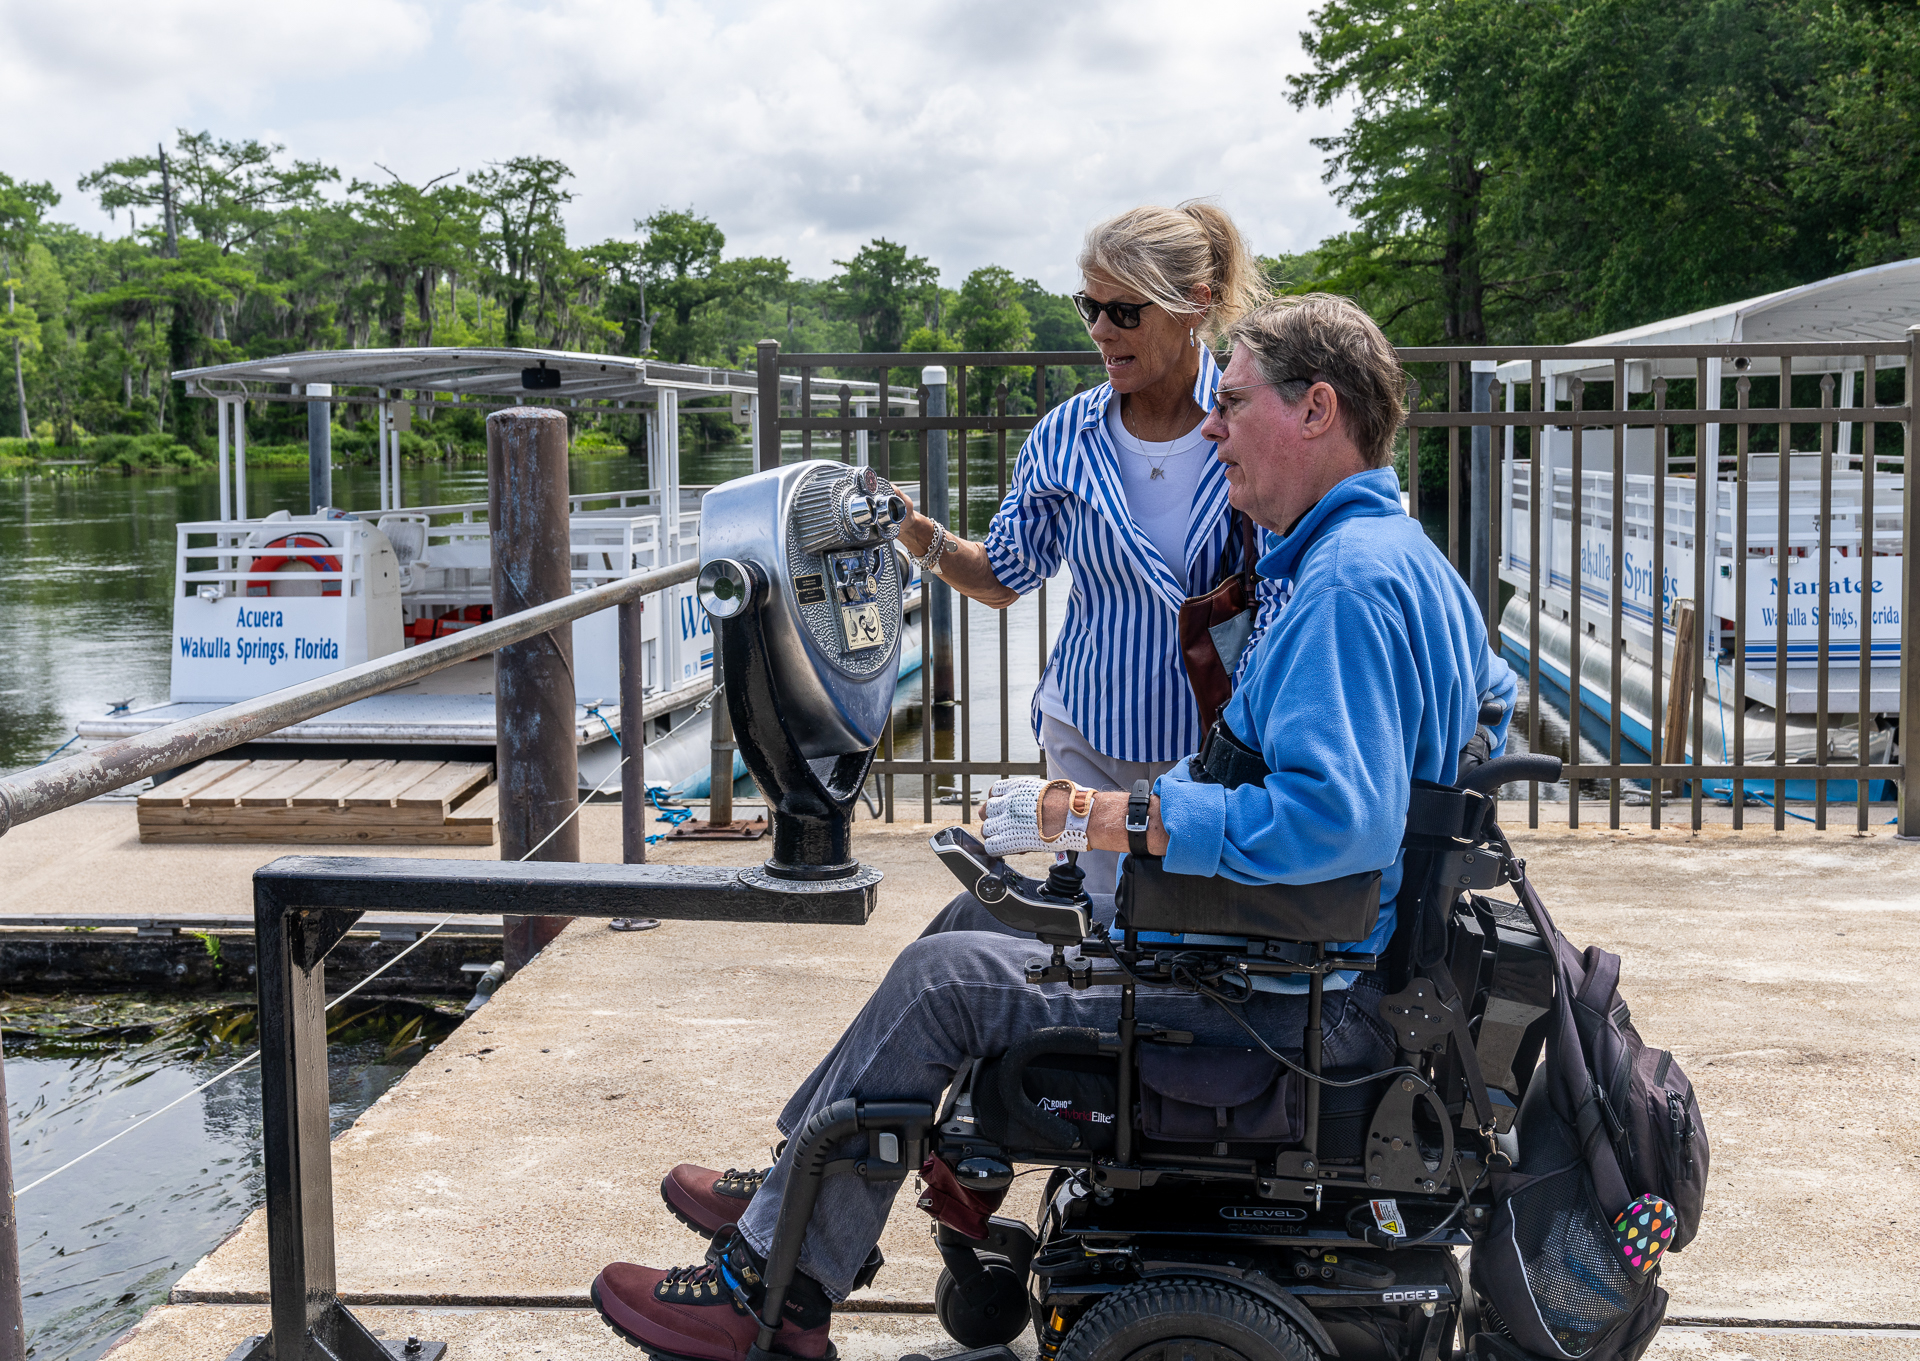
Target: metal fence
column 1623, row 543
column 850, row 432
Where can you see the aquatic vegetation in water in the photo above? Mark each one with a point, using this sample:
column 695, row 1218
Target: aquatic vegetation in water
column 132, row 1025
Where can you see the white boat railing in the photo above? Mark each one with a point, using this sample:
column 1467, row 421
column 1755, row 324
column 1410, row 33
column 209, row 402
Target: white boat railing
column 1643, row 600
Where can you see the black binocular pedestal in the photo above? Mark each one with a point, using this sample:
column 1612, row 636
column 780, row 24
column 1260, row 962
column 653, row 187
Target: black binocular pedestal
column 810, row 801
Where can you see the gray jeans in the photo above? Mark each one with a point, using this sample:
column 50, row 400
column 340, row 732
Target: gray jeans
column 960, row 990
column 1069, row 756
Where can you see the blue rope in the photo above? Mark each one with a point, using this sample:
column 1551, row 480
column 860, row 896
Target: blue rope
column 673, row 817
column 57, row 750
column 1788, row 811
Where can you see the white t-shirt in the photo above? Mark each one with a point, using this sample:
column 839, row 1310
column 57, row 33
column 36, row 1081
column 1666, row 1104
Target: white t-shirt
column 1160, row 505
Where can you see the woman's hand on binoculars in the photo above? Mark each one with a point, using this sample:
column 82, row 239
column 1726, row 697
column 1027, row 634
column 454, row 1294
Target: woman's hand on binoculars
column 916, row 531
column 963, row 566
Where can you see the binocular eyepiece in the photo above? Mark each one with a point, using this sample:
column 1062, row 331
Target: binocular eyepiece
column 846, row 512
column 729, row 587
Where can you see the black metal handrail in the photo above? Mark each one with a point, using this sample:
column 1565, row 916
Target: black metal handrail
column 303, row 905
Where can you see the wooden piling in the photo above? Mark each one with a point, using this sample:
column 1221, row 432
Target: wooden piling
column 533, row 680
column 1686, row 668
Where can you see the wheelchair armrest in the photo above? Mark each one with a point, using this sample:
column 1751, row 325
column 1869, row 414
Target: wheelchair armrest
column 1153, row 899
column 1013, row 899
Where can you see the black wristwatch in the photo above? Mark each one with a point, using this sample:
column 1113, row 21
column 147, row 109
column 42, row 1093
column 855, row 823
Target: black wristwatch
column 1137, row 817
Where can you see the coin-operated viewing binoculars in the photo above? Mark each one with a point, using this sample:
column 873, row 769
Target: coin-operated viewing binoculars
column 799, row 575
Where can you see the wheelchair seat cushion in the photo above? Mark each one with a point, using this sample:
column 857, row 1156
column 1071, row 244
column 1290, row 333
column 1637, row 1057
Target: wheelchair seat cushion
column 1151, row 899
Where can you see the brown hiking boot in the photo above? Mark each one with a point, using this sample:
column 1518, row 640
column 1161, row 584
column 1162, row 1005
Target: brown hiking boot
column 707, row 1201
column 706, row 1312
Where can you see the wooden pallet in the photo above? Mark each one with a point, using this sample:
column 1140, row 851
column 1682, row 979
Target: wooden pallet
column 386, row 803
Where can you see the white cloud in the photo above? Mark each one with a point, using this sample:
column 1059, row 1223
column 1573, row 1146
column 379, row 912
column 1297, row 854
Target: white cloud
column 994, row 131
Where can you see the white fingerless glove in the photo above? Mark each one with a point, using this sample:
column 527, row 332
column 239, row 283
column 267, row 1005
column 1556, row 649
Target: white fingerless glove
column 1010, row 818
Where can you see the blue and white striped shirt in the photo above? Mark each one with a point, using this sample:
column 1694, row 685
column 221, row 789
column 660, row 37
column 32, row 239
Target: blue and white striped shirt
column 1118, row 657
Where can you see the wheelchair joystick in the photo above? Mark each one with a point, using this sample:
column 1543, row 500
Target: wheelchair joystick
column 1067, row 880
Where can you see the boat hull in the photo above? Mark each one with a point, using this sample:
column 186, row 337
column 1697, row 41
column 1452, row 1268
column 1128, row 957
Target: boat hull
column 1596, row 713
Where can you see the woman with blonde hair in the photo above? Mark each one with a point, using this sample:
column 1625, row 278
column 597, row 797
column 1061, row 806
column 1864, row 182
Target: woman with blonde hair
column 1118, row 485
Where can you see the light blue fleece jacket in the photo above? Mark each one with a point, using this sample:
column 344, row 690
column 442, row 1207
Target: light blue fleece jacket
column 1369, row 679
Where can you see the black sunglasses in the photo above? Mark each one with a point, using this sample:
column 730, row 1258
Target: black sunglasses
column 1125, row 315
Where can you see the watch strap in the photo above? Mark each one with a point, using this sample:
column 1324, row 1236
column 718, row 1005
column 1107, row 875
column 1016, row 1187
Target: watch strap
column 1137, row 807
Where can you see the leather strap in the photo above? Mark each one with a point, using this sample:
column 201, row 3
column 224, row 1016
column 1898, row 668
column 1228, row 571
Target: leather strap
column 1137, row 807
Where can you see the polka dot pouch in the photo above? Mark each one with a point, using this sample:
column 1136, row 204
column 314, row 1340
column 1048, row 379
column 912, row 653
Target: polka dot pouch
column 1643, row 1231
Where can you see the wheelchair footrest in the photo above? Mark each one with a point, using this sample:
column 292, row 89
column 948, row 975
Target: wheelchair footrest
column 1000, row 1353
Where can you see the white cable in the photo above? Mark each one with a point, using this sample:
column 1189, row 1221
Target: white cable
column 229, row 1072
column 136, row 1124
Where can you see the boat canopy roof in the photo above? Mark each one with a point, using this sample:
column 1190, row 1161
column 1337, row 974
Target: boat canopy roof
column 1876, row 304
column 498, row 373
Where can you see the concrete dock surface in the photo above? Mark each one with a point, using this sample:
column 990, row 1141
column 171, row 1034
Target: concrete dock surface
column 478, row 1198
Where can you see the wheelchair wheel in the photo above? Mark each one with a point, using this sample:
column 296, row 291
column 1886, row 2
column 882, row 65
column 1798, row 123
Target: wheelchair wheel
column 993, row 1313
column 1173, row 1320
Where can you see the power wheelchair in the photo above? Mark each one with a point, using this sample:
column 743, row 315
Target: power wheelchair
column 1233, row 1204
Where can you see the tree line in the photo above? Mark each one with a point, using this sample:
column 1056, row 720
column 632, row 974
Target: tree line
column 233, row 250
column 1542, row 171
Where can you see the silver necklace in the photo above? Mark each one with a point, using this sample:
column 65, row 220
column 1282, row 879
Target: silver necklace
column 1160, row 468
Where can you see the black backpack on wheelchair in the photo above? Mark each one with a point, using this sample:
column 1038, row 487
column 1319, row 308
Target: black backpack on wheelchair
column 1251, row 1202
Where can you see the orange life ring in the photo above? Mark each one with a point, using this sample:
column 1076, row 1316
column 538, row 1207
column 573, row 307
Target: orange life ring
column 314, row 563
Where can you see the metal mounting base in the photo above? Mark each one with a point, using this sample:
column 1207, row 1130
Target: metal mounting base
column 862, row 878
column 256, row 1348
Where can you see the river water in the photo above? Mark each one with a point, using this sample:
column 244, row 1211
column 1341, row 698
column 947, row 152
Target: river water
column 87, row 560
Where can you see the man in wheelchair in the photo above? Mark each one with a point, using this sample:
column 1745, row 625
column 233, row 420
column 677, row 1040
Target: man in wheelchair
column 1234, row 1069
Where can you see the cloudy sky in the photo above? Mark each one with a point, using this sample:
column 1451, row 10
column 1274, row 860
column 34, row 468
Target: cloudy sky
column 989, row 131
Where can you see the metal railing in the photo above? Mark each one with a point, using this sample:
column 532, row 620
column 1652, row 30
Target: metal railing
column 40, row 790
column 303, row 906
column 944, row 696
column 1610, row 645
column 1786, row 506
